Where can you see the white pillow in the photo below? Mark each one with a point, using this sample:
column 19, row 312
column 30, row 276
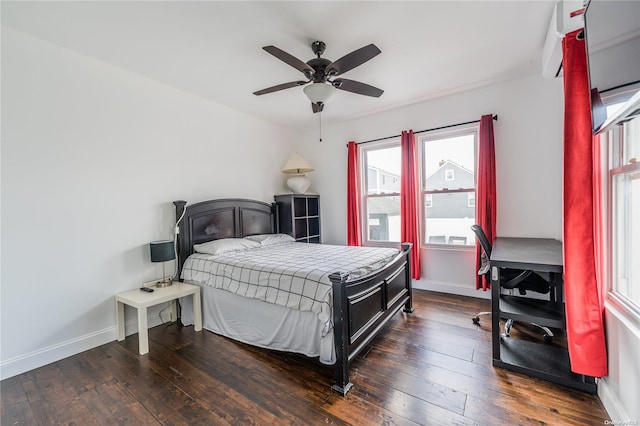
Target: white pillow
column 224, row 245
column 268, row 239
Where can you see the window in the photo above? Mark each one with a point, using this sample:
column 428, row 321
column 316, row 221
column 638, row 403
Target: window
column 428, row 200
column 624, row 186
column 471, row 199
column 449, row 186
column 448, row 174
column 382, row 192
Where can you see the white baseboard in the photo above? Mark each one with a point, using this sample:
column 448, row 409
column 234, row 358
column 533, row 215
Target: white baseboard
column 451, row 288
column 26, row 362
column 30, row 361
column 612, row 405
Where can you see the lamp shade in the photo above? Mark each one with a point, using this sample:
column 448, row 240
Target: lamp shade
column 297, row 164
column 162, row 251
column 319, row 92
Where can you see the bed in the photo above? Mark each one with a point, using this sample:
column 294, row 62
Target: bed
column 338, row 322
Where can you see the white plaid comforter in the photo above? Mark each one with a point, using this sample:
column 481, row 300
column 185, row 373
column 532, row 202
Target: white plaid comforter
column 295, row 275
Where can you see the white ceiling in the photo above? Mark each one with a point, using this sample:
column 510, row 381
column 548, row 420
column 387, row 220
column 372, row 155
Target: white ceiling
column 213, row 49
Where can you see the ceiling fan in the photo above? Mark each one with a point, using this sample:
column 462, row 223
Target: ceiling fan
column 321, row 73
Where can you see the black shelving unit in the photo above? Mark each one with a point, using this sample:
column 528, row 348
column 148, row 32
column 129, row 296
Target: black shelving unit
column 299, row 216
column 537, row 359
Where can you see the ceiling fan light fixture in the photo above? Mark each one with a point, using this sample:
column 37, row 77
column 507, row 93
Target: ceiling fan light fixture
column 319, row 92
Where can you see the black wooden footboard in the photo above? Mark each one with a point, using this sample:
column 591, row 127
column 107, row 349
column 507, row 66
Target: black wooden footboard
column 361, row 307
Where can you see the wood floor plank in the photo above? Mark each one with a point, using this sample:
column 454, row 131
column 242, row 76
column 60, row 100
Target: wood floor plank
column 432, row 367
column 53, row 400
column 412, row 408
column 156, row 390
column 210, row 381
column 85, row 371
column 112, row 403
column 15, row 408
column 292, row 386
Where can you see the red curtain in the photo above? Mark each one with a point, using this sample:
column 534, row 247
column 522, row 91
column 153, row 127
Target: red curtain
column 354, row 237
column 585, row 330
column 486, row 203
column 409, row 199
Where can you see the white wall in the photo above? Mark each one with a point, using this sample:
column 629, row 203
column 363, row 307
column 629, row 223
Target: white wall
column 92, row 157
column 620, row 390
column 528, row 140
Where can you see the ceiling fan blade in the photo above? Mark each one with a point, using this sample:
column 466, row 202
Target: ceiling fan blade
column 352, row 60
column 280, row 87
column 357, row 87
column 291, row 60
column 317, row 106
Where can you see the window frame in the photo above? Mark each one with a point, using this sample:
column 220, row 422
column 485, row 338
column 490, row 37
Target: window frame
column 611, row 167
column 472, row 128
column 364, row 195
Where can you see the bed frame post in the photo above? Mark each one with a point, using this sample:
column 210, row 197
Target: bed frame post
column 340, row 333
column 180, row 206
column 275, row 212
column 408, row 307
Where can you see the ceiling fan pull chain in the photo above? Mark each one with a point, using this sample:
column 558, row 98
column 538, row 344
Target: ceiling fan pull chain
column 320, row 125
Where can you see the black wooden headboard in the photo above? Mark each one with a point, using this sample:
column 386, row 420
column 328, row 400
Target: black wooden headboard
column 224, row 218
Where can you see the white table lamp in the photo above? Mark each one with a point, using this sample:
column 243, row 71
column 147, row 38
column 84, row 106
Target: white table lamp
column 297, row 166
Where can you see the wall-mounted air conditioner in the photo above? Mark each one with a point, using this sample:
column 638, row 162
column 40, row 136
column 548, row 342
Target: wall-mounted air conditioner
column 568, row 16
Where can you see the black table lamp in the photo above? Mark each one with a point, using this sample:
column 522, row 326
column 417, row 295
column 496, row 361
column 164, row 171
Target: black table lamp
column 162, row 251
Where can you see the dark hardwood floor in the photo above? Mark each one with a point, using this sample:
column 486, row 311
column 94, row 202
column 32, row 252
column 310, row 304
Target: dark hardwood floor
column 432, row 367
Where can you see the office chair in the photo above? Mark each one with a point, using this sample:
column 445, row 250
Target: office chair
column 522, row 280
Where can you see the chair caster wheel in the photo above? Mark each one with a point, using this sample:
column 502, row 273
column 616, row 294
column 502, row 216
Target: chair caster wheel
column 548, row 339
column 476, row 320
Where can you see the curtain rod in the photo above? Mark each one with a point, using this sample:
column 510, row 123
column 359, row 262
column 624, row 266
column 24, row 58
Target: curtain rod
column 495, row 117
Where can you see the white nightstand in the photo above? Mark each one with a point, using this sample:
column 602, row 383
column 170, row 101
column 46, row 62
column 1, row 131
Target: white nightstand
column 141, row 300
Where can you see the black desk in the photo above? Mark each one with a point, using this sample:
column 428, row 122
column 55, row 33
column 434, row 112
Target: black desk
column 541, row 360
